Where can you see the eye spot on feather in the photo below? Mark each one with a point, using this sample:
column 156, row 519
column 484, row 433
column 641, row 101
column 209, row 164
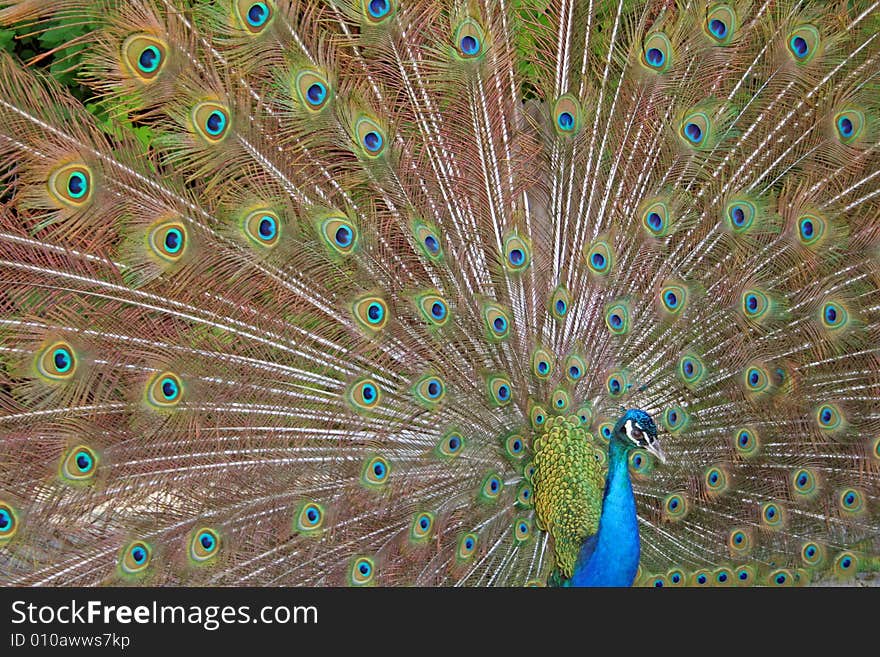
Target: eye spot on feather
column 254, row 17
column 469, row 40
column 803, row 43
column 8, row 522
column 204, row 545
column 517, row 253
column 211, row 121
column 165, row 390
column 363, row 571
column 423, row 524
column 71, row 185
column 657, row 52
column 79, row 466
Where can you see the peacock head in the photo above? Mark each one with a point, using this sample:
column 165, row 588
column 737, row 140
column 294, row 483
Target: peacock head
column 636, row 429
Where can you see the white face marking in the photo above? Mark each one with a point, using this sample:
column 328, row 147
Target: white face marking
column 641, row 438
column 635, row 432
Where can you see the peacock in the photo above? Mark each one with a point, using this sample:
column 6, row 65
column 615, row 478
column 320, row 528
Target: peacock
column 459, row 292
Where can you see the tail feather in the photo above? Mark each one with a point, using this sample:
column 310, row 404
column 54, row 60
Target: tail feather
column 293, row 297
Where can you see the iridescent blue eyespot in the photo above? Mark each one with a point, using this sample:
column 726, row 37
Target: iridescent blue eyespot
column 173, row 240
column 503, row 392
column 77, row 185
column 718, row 28
column 268, row 227
column 560, row 307
column 62, row 359
column 450, row 444
column 169, row 388
column 738, row 216
column 258, row 14
column 369, row 393
column 438, row 310
column 432, row 244
column 375, row 313
column 671, row 299
column 149, row 59
column 543, row 367
column 830, row 417
column 215, row 123
column 316, row 93
column 655, row 221
column 206, row 540
column 373, row 141
column 79, row 466
column 693, row 132
column 851, row 500
column 517, row 257
column 469, row 45
column 343, row 236
column 434, row 388
column 598, row 260
column 84, row 461
column 757, row 379
column 834, row 315
column 772, row 515
column 369, row 136
column 378, row 8
column 375, row 472
column 566, row 121
column 807, row 228
column 799, row 46
column 655, row 57
column 500, row 324
column 144, row 56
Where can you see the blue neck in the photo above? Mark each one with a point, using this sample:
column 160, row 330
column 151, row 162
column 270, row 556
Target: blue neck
column 611, row 557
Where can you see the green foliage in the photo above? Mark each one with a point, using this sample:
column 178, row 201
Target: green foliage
column 54, row 49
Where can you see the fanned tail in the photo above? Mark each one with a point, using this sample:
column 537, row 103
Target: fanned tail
column 310, row 290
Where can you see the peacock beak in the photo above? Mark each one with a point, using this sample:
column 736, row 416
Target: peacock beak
column 654, row 448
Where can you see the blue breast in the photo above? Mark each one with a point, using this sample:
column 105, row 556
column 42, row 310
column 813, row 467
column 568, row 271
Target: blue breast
column 611, row 557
